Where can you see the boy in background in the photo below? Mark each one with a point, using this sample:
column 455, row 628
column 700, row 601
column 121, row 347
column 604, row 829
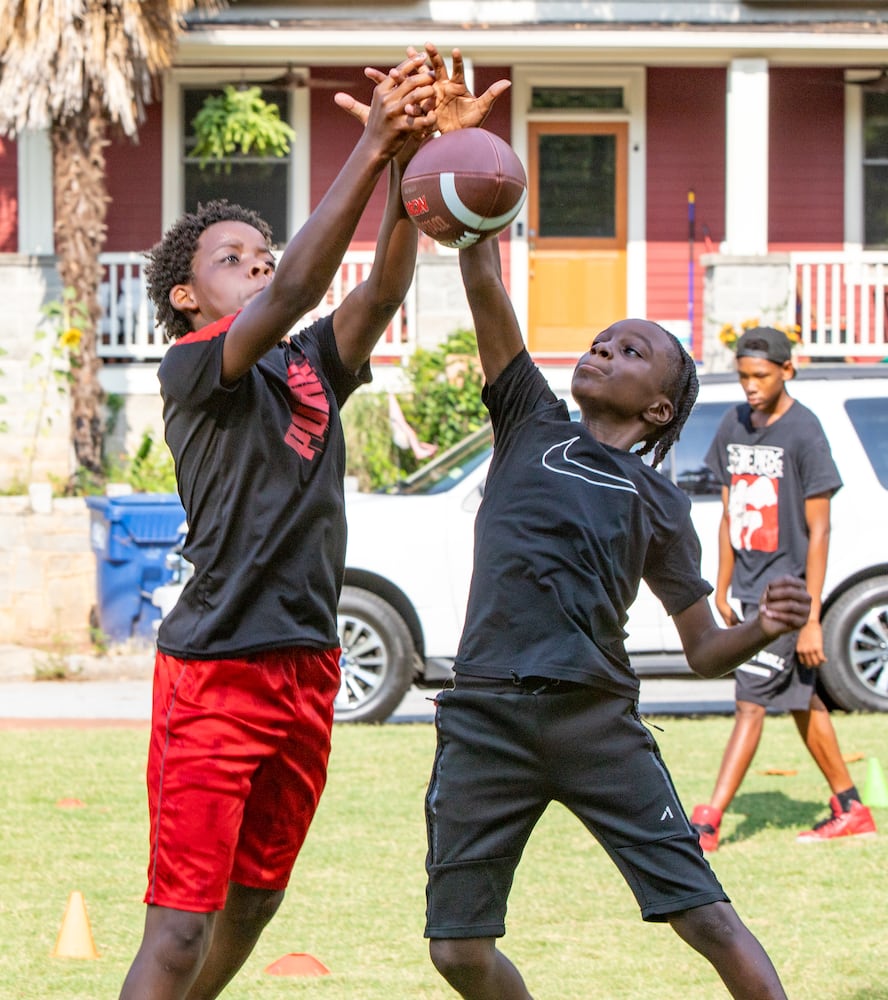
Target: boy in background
column 778, row 477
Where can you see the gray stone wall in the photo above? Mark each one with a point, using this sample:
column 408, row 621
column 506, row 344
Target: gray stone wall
column 34, row 413
column 49, row 581
column 737, row 289
column 441, row 304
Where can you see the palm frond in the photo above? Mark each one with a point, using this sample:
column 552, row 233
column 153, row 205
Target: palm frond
column 55, row 54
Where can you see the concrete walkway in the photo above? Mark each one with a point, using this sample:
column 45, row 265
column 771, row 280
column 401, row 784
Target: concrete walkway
column 118, row 687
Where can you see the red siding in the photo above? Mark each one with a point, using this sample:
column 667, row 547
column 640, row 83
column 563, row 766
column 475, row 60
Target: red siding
column 134, row 183
column 8, row 196
column 685, row 152
column 806, row 156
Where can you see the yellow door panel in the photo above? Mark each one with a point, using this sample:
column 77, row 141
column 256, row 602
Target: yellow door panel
column 582, row 293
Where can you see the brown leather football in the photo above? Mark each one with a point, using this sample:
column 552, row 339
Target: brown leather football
column 463, row 187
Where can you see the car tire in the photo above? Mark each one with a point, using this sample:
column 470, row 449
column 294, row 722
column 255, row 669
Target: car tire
column 855, row 640
column 377, row 660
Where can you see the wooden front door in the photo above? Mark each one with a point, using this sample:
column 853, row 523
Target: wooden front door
column 577, row 214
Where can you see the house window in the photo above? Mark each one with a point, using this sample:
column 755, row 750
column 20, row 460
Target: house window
column 577, row 98
column 257, row 182
column 577, row 193
column 875, row 169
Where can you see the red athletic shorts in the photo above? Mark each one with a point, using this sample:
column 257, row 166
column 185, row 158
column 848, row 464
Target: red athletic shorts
column 236, row 766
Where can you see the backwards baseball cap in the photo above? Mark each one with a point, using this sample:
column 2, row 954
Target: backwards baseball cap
column 765, row 342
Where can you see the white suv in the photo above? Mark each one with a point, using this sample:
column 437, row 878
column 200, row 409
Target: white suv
column 409, row 556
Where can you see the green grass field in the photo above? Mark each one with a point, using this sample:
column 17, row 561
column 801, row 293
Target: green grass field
column 356, row 900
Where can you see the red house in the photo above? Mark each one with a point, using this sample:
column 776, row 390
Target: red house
column 696, row 163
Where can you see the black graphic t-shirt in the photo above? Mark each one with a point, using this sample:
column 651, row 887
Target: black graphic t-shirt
column 260, row 468
column 567, row 529
column 770, row 472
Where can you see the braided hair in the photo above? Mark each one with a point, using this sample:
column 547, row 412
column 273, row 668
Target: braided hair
column 681, row 386
column 170, row 260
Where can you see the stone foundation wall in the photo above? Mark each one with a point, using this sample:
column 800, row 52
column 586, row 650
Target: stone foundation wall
column 49, row 581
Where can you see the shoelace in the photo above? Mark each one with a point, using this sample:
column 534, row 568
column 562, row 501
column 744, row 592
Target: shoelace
column 826, row 822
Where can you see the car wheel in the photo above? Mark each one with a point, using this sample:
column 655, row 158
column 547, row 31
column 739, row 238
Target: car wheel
column 377, row 658
column 855, row 640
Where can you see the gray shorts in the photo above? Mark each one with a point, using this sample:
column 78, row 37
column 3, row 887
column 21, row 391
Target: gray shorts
column 774, row 678
column 503, row 755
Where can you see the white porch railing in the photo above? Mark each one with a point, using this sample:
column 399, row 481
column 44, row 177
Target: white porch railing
column 127, row 331
column 839, row 302
column 837, row 299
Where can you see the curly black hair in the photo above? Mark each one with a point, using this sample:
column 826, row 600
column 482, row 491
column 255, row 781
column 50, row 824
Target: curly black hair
column 681, row 385
column 170, row 260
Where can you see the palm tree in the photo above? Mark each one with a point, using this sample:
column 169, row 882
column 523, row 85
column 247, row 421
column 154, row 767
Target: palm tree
column 77, row 67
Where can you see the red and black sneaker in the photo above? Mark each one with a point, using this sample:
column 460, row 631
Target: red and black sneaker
column 706, row 820
column 856, row 822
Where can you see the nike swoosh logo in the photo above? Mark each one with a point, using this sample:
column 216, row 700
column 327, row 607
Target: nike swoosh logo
column 461, row 211
column 556, row 459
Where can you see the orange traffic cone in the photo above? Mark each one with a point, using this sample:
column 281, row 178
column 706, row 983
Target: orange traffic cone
column 297, row 964
column 75, row 938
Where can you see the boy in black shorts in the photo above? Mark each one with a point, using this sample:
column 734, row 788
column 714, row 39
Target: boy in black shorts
column 544, row 705
column 778, row 476
column 248, row 661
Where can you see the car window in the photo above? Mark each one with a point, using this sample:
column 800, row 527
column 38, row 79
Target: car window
column 453, row 465
column 870, row 420
column 684, row 463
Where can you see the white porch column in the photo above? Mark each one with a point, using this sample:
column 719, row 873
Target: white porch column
column 746, row 182
column 35, row 214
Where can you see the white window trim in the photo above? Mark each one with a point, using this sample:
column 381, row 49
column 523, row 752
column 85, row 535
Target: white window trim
column 36, row 220
column 173, row 180
column 854, row 207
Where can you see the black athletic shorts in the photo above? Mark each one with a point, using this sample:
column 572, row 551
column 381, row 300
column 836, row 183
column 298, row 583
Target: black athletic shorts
column 774, row 678
column 503, row 754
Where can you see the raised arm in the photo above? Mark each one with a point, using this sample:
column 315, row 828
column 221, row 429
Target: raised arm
column 367, row 310
column 712, row 651
column 312, row 257
column 365, row 313
column 496, row 326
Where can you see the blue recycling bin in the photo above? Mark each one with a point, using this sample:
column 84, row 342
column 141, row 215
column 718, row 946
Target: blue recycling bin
column 131, row 536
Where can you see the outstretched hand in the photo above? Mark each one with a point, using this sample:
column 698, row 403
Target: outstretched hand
column 455, row 105
column 784, row 606
column 403, row 100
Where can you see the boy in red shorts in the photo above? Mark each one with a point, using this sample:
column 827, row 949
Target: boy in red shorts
column 248, row 661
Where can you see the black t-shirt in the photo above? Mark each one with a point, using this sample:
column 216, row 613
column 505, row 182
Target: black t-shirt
column 770, row 472
column 567, row 529
column 259, row 467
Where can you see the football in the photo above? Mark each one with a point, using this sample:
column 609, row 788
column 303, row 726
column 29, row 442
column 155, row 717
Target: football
column 463, row 187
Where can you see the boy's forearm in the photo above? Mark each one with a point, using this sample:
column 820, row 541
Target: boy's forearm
column 310, row 262
column 815, row 571
column 394, row 262
column 723, row 649
column 712, row 651
column 367, row 310
column 496, row 326
column 725, row 560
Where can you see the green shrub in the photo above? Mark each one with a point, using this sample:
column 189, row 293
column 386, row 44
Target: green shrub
column 372, row 457
column 150, row 470
column 443, row 405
